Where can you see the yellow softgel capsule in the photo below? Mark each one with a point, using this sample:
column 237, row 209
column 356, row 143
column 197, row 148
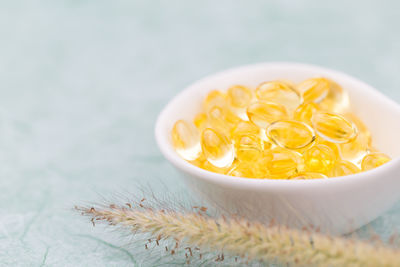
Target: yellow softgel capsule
column 305, row 111
column 239, row 96
column 263, row 114
column 279, row 92
column 290, row 134
column 200, row 121
column 374, row 160
column 280, row 163
column 186, row 140
column 344, row 167
column 314, row 90
column 362, row 129
column 333, row 146
column 319, row 158
column 222, row 119
column 217, row 148
column 210, row 167
column 337, row 99
column 248, row 147
column 244, row 170
column 214, row 98
column 334, row 127
column 245, row 128
column 308, row 176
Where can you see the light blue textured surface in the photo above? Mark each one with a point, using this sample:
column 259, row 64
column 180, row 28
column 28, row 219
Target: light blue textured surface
column 81, row 84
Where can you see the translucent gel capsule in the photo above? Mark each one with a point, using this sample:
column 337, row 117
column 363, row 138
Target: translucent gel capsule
column 305, row 111
column 210, row 167
column 200, row 121
column 355, row 150
column 314, row 90
column 263, row 114
column 319, row 158
column 186, row 140
column 214, row 98
column 337, row 99
column 245, row 128
column 333, row 146
column 291, row 134
column 281, row 163
column 308, row 176
column 217, row 148
column 239, row 97
column 374, row 160
column 334, row 127
column 279, row 92
column 248, row 148
column 222, row 119
column 361, row 127
column 344, row 167
column 244, row 170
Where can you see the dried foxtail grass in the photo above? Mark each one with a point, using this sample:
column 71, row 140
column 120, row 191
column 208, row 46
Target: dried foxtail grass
column 253, row 241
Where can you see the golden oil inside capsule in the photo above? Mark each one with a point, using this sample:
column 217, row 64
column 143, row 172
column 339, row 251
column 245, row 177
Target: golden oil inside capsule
column 333, row 146
column 263, row 114
column 334, row 127
column 210, row 167
column 343, row 168
column 244, row 170
column 280, row 93
column 305, row 111
column 239, row 96
column 248, row 147
column 245, row 128
column 186, row 140
column 281, row 163
column 374, row 160
column 200, row 121
column 214, row 98
column 222, row 119
column 314, row 90
column 309, row 176
column 291, row 134
column 217, row 148
column 337, row 99
column 319, row 158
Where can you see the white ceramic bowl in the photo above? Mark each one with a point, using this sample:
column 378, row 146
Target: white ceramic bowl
column 337, row 205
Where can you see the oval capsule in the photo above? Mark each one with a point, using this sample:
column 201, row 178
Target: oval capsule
column 305, row 111
column 291, row 134
column 281, row 163
column 214, row 98
column 186, row 140
column 319, row 158
column 337, row 99
column 217, row 148
column 263, row 114
column 314, row 90
column 343, row 168
column 334, row 127
column 374, row 160
column 239, row 96
column 279, row 92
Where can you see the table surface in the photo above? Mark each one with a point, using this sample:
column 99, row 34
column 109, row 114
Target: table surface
column 82, row 82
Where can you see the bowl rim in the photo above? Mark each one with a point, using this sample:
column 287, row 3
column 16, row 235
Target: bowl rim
column 256, row 183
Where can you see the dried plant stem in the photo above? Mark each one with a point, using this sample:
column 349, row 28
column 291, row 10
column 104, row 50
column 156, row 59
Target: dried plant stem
column 253, row 240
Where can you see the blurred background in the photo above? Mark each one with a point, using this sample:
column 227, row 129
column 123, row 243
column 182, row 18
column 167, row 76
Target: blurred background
column 82, row 82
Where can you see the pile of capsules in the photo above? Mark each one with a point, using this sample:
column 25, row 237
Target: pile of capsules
column 279, row 130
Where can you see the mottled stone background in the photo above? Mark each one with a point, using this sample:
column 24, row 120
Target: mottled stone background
column 81, row 84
